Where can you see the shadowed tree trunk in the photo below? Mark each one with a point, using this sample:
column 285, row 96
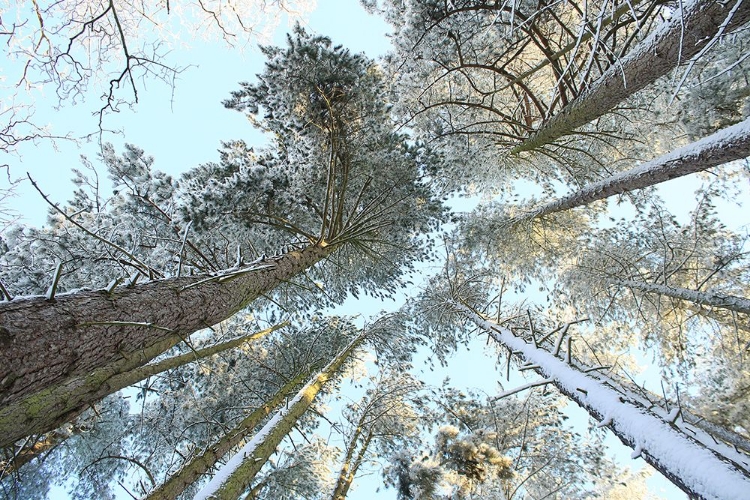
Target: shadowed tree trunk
column 200, row 465
column 46, row 342
column 729, row 302
column 673, row 43
column 351, row 462
column 239, row 472
column 48, row 409
column 732, row 143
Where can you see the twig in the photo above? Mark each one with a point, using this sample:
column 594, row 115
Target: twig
column 148, row 270
column 125, row 323
column 6, row 295
column 55, row 281
column 522, row 388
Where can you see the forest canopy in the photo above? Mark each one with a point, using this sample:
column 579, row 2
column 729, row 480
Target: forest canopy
column 509, row 178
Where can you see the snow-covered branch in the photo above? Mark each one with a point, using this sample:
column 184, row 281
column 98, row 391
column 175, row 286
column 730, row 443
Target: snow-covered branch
column 697, row 469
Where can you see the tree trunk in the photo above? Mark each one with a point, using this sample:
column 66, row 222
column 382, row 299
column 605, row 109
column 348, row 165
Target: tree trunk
column 200, row 465
column 700, row 469
column 351, row 463
column 238, row 473
column 729, row 302
column 18, row 457
column 45, row 342
column 732, row 143
column 48, row 409
column 673, row 43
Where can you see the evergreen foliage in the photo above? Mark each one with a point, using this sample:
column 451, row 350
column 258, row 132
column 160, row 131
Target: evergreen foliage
column 346, row 204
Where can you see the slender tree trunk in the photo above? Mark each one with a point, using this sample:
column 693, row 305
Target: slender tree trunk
column 45, row 342
column 200, row 465
column 238, row 473
column 18, row 457
column 729, row 302
column 696, row 468
column 675, row 42
column 732, row 143
column 351, row 463
column 48, row 409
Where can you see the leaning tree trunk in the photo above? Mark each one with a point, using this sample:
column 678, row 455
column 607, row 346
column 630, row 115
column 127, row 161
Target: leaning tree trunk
column 351, row 462
column 44, row 342
column 49, row 408
column 729, row 302
column 700, row 469
column 673, row 43
column 238, row 473
column 201, row 464
column 732, row 143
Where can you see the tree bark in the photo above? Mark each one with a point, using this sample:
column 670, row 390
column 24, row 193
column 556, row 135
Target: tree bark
column 48, row 409
column 351, row 464
column 673, row 43
column 200, row 465
column 732, row 143
column 729, row 302
column 695, row 467
column 239, row 472
column 45, row 342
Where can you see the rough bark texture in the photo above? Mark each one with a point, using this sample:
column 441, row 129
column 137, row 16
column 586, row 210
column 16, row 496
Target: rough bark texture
column 673, row 43
column 48, row 409
column 692, row 466
column 729, row 302
column 264, row 444
column 45, row 342
column 203, row 463
column 732, row 143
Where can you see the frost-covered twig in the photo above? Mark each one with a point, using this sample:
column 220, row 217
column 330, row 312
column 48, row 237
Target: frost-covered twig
column 55, row 281
column 530, row 385
column 4, row 291
column 230, row 275
column 148, row 270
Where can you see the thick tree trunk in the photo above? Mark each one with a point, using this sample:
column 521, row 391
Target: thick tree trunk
column 673, row 43
column 732, row 143
column 729, row 302
column 697, row 468
column 48, row 409
column 203, row 463
column 45, row 342
column 238, row 473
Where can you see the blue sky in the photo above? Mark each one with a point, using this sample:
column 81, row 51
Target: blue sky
column 184, row 130
column 180, row 130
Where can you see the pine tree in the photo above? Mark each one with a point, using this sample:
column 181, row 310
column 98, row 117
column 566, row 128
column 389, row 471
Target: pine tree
column 722, row 147
column 651, row 436
column 683, row 38
column 334, row 140
column 45, row 411
column 386, row 418
column 240, row 470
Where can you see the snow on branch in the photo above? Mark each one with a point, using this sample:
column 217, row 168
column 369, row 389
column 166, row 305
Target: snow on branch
column 702, row 469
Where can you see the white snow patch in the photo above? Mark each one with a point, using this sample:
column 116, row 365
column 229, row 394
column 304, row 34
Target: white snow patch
column 697, row 467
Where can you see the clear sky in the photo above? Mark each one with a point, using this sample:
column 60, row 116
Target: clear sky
column 186, row 130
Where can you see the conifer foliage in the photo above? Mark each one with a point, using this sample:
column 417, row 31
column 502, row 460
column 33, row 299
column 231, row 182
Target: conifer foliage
column 176, row 337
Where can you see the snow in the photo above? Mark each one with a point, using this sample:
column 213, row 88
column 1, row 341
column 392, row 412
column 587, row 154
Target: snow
column 731, row 143
column 697, row 467
column 246, row 451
